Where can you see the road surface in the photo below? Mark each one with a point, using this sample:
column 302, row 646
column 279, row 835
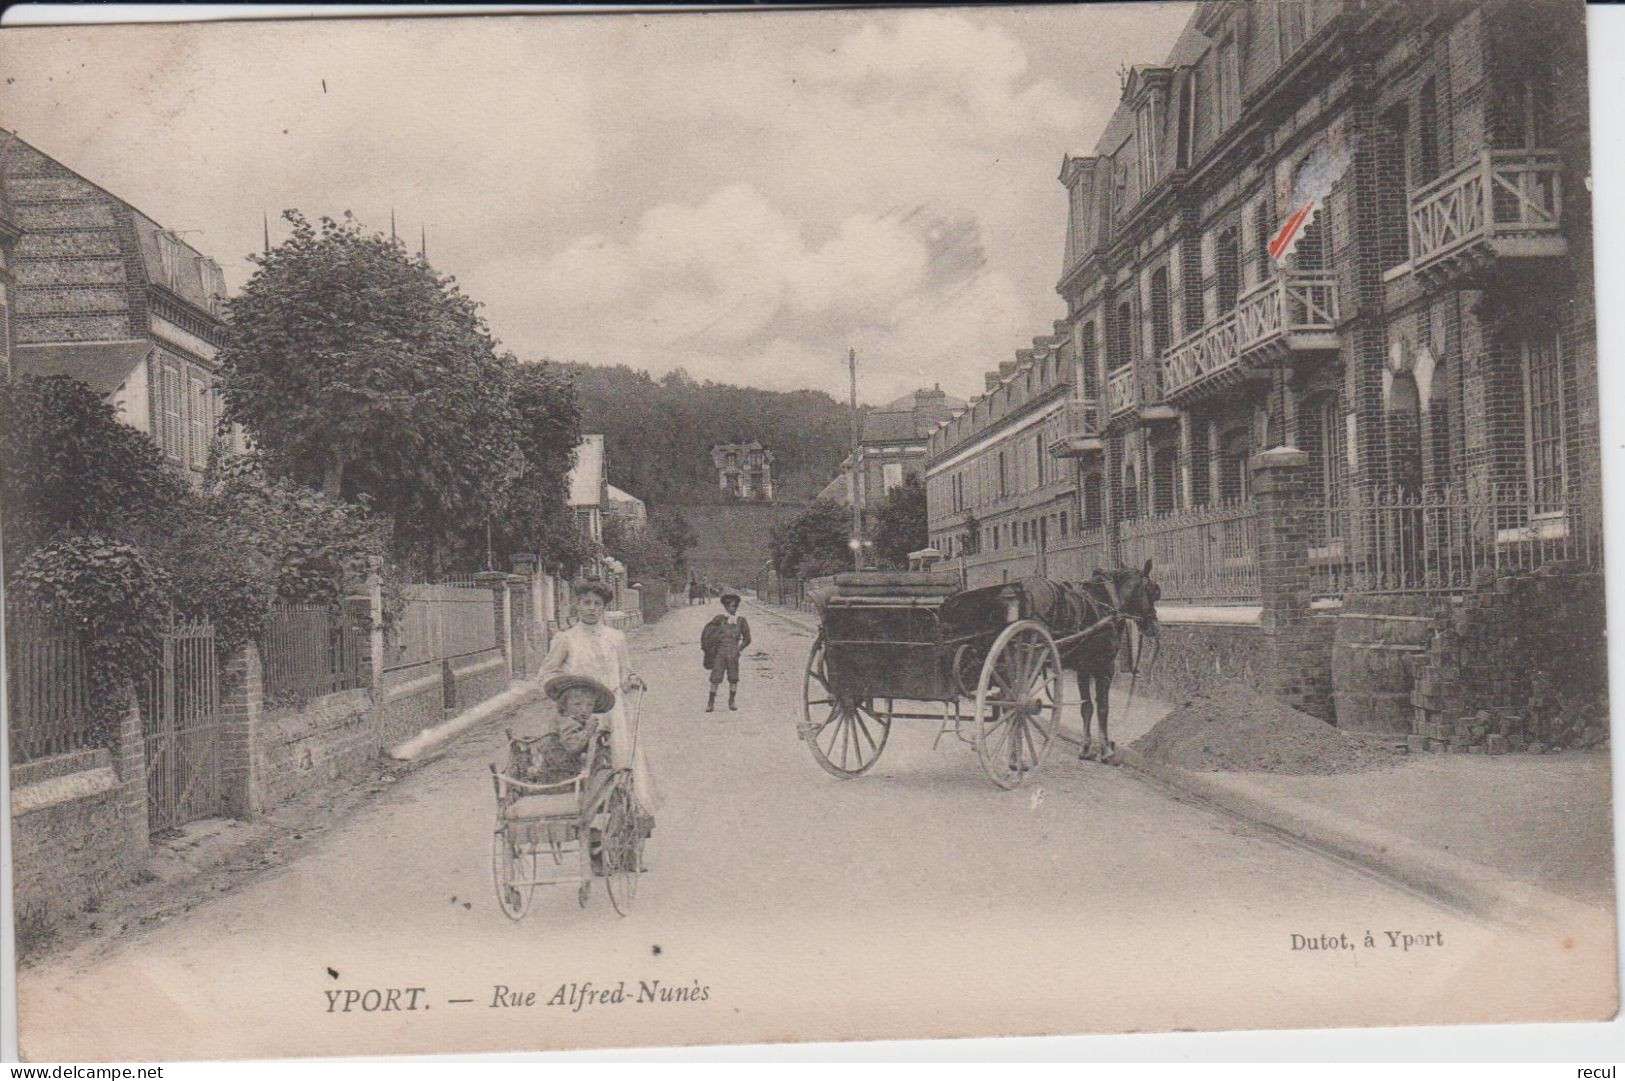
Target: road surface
column 915, row 901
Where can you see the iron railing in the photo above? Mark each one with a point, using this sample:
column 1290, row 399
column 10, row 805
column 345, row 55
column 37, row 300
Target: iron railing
column 1497, row 194
column 1444, row 540
column 308, row 650
column 49, row 703
column 180, row 712
column 1199, row 555
column 439, row 622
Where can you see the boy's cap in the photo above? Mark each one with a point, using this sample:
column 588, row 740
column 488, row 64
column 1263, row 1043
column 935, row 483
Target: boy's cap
column 560, row 684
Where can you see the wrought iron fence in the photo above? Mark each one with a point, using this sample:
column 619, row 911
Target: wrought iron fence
column 1441, row 540
column 438, row 622
column 308, row 650
column 180, row 711
column 1204, row 554
column 50, row 709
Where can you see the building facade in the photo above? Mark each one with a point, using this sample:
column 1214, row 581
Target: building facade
column 744, row 470
column 891, row 446
column 97, row 290
column 1360, row 229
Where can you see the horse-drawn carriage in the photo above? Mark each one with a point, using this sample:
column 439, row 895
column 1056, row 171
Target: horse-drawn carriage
column 1001, row 651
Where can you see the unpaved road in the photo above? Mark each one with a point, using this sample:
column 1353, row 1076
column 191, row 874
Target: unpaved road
column 918, row 901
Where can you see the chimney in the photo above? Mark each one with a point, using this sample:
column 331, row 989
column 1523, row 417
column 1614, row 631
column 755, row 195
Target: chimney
column 1006, row 367
column 990, row 380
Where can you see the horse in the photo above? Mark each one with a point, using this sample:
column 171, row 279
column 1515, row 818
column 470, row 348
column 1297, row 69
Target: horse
column 696, row 592
column 1125, row 595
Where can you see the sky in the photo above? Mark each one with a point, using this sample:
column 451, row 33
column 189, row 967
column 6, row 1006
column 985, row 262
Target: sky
column 742, row 195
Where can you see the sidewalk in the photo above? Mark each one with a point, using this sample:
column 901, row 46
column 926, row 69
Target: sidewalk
column 1518, row 837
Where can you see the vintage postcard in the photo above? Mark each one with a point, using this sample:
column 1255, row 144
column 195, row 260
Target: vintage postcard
column 593, row 531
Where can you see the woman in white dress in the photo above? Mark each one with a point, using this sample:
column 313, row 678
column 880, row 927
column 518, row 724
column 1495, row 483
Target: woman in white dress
column 589, row 648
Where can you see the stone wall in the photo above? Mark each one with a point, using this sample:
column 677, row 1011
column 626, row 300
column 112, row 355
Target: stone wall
column 1521, row 663
column 296, row 750
column 78, row 830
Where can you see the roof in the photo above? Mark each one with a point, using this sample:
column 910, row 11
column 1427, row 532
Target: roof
column 103, row 365
column 616, row 495
column 587, row 475
column 890, row 427
column 1187, row 49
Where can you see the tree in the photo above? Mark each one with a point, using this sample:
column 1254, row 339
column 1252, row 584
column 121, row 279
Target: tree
column 67, row 466
column 360, row 371
column 814, row 542
column 676, row 534
column 900, row 526
column 529, row 511
column 646, row 556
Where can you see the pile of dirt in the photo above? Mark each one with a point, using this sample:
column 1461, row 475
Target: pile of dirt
column 1235, row 729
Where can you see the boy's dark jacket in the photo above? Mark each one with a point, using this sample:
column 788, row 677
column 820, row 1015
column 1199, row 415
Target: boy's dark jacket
column 713, row 629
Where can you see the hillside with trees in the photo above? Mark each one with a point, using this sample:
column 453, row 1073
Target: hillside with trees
column 660, row 432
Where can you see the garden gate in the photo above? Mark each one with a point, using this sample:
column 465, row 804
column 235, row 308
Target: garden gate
column 180, row 709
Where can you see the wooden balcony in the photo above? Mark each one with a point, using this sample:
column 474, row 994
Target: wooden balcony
column 1502, row 205
column 1294, row 312
column 1122, row 391
column 1079, row 436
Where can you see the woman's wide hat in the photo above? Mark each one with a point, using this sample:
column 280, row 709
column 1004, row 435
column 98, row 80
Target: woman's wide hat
column 593, row 585
column 560, row 685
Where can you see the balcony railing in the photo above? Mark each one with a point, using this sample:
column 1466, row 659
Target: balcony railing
column 1509, row 202
column 1297, row 310
column 1080, row 431
column 1121, row 391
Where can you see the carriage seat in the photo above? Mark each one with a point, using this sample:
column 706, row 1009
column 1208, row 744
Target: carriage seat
column 550, row 805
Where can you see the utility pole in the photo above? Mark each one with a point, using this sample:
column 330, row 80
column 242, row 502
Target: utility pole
column 857, row 438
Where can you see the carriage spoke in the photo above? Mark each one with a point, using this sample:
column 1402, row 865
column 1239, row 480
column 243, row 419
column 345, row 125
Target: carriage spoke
column 861, row 729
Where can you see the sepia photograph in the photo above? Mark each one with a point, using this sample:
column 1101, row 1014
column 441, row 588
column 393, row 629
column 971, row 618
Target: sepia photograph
column 566, row 531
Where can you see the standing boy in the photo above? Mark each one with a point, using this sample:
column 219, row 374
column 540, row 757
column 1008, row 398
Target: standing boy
column 722, row 641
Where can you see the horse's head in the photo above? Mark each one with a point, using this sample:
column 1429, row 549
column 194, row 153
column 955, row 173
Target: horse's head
column 1135, row 595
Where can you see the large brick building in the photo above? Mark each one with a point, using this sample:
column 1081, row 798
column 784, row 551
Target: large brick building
column 891, row 446
column 99, row 291
column 1432, row 330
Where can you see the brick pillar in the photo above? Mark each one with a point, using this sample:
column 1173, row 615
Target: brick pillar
column 241, row 704
column 130, row 762
column 519, row 623
column 502, row 611
column 1281, row 502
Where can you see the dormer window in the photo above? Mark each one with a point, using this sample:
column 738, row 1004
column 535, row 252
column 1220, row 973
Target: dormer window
column 1145, row 130
column 1292, row 18
column 1187, row 120
column 1229, row 82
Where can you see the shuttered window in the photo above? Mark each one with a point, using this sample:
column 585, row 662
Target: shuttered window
column 198, row 421
column 171, row 417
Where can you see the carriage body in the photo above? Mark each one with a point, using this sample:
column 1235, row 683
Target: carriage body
column 912, row 636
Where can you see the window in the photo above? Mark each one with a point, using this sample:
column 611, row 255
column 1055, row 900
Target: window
column 1394, row 186
column 1093, row 514
column 1125, row 336
column 1227, row 267
column 1543, row 422
column 1089, row 353
column 1229, row 83
column 172, row 410
column 1146, row 141
column 1263, row 227
column 1038, row 457
column 1131, row 495
column 1004, row 479
column 1427, row 130
column 198, row 427
column 1164, row 469
column 1292, row 18
column 891, row 475
column 1063, row 525
column 1161, row 315
column 1187, row 121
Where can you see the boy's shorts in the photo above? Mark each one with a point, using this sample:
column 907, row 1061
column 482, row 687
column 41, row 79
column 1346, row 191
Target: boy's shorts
column 729, row 664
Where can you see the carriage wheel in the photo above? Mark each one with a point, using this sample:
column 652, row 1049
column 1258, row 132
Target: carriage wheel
column 622, row 851
column 966, row 668
column 506, row 864
column 1018, row 704
column 845, row 734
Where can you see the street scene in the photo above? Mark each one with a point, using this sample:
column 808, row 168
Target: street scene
column 810, row 526
column 1128, row 896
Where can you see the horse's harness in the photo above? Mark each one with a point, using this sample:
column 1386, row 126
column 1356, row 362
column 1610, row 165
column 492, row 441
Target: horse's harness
column 1115, row 618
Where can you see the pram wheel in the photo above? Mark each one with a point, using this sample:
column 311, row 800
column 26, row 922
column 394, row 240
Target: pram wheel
column 622, row 846
column 506, row 871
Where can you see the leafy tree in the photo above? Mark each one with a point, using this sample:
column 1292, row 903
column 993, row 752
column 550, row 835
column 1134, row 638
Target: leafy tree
column 676, row 534
column 67, row 466
column 530, row 512
column 357, row 369
column 646, row 556
column 900, row 526
column 814, row 542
